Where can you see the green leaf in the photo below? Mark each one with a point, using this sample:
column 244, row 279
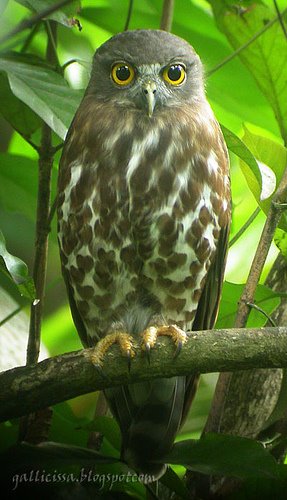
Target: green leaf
column 272, row 159
column 267, row 151
column 58, row 332
column 3, row 6
column 265, row 298
column 218, row 454
column 109, row 428
column 265, row 57
column 18, row 184
column 263, row 488
column 280, row 239
column 63, row 15
column 53, row 454
column 18, row 114
column 16, row 270
column 239, row 148
column 66, row 427
column 42, row 89
column 171, row 480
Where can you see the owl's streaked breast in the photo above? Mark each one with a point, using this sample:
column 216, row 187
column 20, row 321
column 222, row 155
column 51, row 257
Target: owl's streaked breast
column 140, row 212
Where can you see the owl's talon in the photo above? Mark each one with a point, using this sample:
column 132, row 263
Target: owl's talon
column 178, row 349
column 100, row 371
column 147, row 350
column 129, row 359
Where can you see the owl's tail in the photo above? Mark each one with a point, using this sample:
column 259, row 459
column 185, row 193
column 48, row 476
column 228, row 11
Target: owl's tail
column 149, row 415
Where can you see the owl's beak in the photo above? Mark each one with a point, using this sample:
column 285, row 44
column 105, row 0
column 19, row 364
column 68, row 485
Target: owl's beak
column 149, row 91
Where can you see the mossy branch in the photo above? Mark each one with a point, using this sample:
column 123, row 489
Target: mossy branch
column 27, row 389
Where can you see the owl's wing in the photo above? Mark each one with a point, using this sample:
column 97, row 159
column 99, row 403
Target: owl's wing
column 82, row 332
column 208, row 306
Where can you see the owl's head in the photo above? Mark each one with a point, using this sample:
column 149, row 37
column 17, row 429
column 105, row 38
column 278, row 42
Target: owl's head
column 147, row 70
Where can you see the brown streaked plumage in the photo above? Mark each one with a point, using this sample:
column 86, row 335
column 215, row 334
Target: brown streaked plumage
column 144, row 214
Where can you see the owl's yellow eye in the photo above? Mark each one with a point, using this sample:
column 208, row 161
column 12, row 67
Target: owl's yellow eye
column 122, row 73
column 174, row 74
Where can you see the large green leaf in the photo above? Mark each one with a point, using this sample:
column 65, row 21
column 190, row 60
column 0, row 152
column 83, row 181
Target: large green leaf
column 272, row 159
column 16, row 270
column 58, row 332
column 18, row 184
column 239, row 148
column 42, row 89
column 51, row 453
column 3, row 6
column 266, row 151
column 265, row 57
column 63, row 15
column 219, row 454
column 18, row 114
column 280, row 239
column 108, row 427
column 265, row 298
column 171, row 480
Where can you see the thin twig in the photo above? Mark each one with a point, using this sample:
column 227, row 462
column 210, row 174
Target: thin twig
column 32, row 144
column 261, row 311
column 41, row 244
column 52, row 211
column 245, row 226
column 280, row 18
column 261, row 253
column 245, row 45
column 53, row 45
column 130, row 9
column 30, row 37
column 11, row 315
column 167, row 15
column 29, row 23
column 57, row 148
column 42, row 225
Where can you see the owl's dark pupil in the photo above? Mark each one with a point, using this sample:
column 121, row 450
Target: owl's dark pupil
column 123, row 73
column 174, row 73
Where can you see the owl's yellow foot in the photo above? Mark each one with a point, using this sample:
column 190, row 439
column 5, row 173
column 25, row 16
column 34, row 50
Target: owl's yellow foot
column 178, row 336
column 125, row 342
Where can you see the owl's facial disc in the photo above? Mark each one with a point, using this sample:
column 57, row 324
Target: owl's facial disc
column 154, row 85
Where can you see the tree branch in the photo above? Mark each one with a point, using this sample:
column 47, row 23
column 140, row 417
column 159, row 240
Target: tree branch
column 29, row 23
column 29, row 388
column 167, row 15
column 245, row 45
column 46, row 158
column 245, row 226
column 262, row 250
column 130, row 9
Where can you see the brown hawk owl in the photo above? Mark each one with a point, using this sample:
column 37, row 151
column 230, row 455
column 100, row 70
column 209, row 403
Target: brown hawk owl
column 144, row 213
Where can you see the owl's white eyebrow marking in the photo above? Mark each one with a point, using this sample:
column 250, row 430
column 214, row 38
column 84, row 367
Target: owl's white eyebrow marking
column 148, row 69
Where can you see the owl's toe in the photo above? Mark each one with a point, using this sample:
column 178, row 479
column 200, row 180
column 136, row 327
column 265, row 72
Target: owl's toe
column 150, row 335
column 125, row 342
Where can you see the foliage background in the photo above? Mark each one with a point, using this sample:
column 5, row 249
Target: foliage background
column 241, row 105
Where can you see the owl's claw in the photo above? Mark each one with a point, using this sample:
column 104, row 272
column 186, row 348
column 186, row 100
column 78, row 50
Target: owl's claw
column 99, row 369
column 147, row 350
column 150, row 335
column 178, row 349
column 125, row 342
column 129, row 358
